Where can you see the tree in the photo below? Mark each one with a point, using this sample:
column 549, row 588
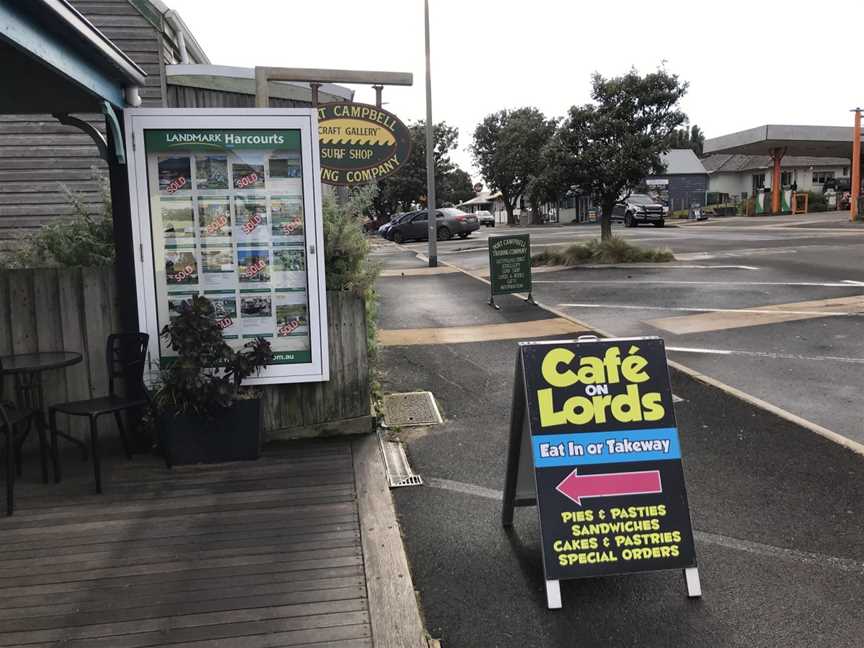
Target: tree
column 454, row 188
column 614, row 143
column 407, row 186
column 507, row 149
column 693, row 138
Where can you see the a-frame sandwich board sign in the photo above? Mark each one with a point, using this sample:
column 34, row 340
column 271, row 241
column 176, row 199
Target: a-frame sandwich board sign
column 594, row 444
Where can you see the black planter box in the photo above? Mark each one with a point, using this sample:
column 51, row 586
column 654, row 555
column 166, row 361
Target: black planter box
column 233, row 434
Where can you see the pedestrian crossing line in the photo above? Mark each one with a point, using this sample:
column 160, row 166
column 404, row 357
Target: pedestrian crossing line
column 479, row 333
column 760, row 315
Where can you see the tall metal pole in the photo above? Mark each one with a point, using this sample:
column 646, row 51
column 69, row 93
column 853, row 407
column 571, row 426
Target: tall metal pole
column 856, row 166
column 430, row 155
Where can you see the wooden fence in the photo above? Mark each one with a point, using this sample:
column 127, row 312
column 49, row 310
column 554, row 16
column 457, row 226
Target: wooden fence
column 74, row 309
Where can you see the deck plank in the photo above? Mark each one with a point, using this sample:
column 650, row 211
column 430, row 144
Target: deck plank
column 260, row 554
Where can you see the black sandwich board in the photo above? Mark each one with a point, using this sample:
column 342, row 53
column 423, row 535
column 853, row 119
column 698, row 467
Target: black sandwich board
column 509, row 266
column 594, row 444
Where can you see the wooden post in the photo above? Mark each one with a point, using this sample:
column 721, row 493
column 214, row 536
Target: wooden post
column 856, row 166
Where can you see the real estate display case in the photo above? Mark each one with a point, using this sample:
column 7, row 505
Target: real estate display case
column 226, row 203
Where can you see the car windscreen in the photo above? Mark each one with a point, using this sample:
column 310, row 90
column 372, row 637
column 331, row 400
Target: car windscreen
column 641, row 199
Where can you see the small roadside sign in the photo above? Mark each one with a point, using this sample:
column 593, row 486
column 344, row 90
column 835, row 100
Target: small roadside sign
column 509, row 266
column 594, row 444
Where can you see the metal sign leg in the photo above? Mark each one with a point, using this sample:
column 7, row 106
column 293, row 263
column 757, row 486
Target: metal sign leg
column 493, row 304
column 694, row 587
column 530, row 299
column 553, row 594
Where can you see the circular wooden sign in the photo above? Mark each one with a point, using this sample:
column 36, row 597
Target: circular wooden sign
column 360, row 143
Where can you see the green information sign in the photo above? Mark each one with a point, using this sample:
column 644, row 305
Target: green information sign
column 510, row 265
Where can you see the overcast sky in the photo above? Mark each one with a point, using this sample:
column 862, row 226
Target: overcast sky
column 494, row 54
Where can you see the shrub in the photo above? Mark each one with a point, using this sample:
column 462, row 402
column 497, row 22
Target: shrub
column 207, row 372
column 816, row 201
column 85, row 239
column 346, row 256
column 614, row 250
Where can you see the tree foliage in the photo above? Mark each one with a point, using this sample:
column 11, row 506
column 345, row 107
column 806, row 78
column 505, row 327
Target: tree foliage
column 407, row 187
column 507, row 149
column 692, row 138
column 609, row 146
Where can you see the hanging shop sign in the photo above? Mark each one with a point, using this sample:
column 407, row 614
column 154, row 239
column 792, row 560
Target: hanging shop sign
column 509, row 265
column 360, row 143
column 594, row 444
column 227, row 204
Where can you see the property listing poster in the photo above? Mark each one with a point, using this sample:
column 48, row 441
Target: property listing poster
column 228, row 223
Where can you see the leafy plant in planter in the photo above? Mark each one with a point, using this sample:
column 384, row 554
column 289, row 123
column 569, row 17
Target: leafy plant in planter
column 206, row 416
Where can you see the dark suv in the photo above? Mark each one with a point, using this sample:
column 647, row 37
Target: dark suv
column 449, row 221
column 639, row 208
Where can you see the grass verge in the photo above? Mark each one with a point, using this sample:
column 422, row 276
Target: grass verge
column 615, row 250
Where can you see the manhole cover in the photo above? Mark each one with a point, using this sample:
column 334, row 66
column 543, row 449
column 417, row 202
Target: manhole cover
column 410, row 408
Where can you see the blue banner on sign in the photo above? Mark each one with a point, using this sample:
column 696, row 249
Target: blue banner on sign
column 585, row 448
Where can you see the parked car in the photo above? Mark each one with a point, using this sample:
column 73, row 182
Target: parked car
column 639, row 208
column 385, row 228
column 449, row 222
column 485, row 218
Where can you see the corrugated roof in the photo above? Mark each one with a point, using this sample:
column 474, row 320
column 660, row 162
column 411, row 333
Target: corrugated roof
column 727, row 163
column 681, row 161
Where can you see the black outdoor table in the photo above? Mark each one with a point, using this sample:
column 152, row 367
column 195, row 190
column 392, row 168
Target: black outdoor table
column 27, row 368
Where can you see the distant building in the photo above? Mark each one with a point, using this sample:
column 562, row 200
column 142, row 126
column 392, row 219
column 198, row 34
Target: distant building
column 684, row 182
column 732, row 177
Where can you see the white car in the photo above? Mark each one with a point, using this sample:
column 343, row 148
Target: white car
column 485, row 218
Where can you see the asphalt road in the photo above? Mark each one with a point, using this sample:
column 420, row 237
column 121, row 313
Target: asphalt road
column 776, row 508
column 811, row 367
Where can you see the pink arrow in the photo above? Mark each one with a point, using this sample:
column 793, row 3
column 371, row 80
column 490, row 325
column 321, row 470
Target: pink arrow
column 575, row 486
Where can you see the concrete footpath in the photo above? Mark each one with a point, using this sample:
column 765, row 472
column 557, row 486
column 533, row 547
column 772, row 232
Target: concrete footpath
column 776, row 508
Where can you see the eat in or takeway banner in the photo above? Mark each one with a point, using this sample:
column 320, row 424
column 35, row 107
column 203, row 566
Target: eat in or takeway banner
column 510, row 263
column 606, row 457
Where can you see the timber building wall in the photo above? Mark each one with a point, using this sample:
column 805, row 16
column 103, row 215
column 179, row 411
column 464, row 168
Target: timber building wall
column 38, row 155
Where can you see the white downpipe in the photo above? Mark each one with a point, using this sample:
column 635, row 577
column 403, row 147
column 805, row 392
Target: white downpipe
column 171, row 17
column 132, row 96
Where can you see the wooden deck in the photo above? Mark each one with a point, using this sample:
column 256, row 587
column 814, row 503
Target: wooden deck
column 258, row 554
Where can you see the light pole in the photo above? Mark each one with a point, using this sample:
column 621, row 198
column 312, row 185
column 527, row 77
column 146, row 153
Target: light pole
column 856, row 166
column 430, row 156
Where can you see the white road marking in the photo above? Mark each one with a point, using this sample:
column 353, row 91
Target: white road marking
column 686, row 309
column 769, row 355
column 852, row 282
column 727, row 542
column 811, row 284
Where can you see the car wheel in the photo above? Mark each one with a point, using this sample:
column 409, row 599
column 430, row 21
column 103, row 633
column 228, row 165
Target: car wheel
column 444, row 234
column 492, row 224
column 397, row 237
column 628, row 221
column 463, row 235
column 660, row 223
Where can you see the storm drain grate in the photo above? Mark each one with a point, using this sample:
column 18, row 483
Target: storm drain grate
column 399, row 472
column 410, row 408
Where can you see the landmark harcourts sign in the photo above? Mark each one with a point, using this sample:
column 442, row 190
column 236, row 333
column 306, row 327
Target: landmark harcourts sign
column 360, row 143
column 226, row 205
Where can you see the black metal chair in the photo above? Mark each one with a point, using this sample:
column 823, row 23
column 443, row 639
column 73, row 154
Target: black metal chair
column 15, row 424
column 126, row 354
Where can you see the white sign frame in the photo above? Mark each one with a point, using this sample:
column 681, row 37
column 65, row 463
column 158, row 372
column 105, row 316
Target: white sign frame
column 137, row 120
